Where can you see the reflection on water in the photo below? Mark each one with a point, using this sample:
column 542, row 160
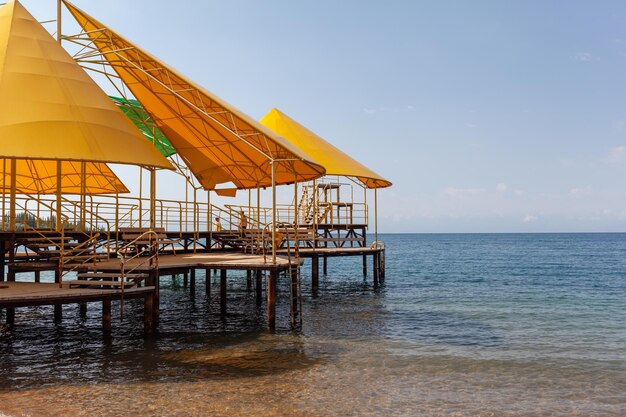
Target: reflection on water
column 469, row 325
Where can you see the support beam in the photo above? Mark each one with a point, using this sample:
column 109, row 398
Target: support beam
column 375, row 268
column 293, row 274
column 37, row 276
column 58, row 313
column 271, row 300
column 223, row 283
column 82, row 310
column 248, row 280
column 364, row 265
column 325, row 264
column 106, row 316
column 10, row 316
column 259, row 287
column 148, row 324
column 207, row 288
column 315, row 274
column 192, row 282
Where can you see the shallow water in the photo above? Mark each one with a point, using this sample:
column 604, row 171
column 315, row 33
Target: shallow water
column 464, row 325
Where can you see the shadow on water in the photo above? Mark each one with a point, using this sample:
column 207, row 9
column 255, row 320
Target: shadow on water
column 196, row 342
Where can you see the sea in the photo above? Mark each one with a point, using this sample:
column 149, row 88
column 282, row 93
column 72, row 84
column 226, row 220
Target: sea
column 464, row 325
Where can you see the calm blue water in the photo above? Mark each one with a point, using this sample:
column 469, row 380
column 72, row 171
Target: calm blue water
column 510, row 324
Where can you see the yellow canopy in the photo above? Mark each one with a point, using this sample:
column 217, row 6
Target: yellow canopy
column 218, row 142
column 335, row 161
column 51, row 109
column 38, row 176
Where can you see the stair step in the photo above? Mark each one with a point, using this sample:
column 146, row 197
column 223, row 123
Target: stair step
column 133, row 276
column 99, row 284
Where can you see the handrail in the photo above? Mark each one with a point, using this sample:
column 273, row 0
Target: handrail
column 153, row 259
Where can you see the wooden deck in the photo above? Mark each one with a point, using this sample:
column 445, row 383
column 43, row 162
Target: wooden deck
column 212, row 260
column 21, row 294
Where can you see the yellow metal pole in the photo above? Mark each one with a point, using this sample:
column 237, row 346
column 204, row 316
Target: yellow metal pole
column 152, row 198
column 59, row 196
column 59, row 21
column 273, row 213
column 376, row 215
column 4, row 187
column 12, row 200
column 210, row 220
column 140, row 196
column 258, row 205
column 83, row 196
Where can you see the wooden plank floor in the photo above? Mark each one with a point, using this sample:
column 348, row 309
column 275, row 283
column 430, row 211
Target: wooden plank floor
column 214, row 260
column 348, row 251
column 34, row 293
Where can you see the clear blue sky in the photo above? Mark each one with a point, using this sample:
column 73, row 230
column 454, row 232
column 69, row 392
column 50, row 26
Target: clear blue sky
column 488, row 116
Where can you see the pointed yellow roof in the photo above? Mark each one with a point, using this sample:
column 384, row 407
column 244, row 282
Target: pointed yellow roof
column 335, row 161
column 37, row 176
column 218, row 142
column 51, row 109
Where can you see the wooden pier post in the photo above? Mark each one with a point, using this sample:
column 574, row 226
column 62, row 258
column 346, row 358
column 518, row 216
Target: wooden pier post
column 364, row 265
column 315, row 273
column 325, row 264
column 293, row 273
column 248, row 280
column 82, row 310
column 192, row 282
column 259, row 286
column 10, row 316
column 185, row 279
column 2, row 260
column 375, row 267
column 106, row 315
column 37, row 276
column 153, row 278
column 207, row 288
column 148, row 324
column 271, row 300
column 58, row 313
column 223, row 290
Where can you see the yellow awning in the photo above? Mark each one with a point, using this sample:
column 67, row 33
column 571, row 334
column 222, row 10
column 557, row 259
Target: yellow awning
column 218, row 142
column 335, row 161
column 51, row 109
column 36, row 176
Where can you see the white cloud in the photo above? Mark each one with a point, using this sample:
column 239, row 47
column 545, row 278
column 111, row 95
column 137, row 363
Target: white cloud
column 458, row 192
column 580, row 191
column 529, row 218
column 617, row 155
column 583, row 57
column 501, row 187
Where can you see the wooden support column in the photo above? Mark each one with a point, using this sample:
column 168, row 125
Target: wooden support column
column 248, row 280
column 82, row 310
column 375, row 267
column 37, row 276
column 192, row 282
column 2, row 250
column 293, row 273
column 57, row 276
column 325, row 263
column 223, row 290
column 271, row 300
column 185, row 279
column 10, row 316
column 364, row 265
column 207, row 288
column 315, row 273
column 106, row 315
column 58, row 313
column 148, row 314
column 259, row 286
